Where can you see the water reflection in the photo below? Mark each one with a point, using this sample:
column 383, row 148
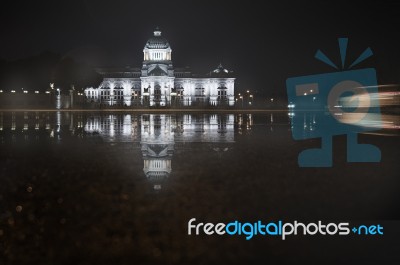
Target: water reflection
column 155, row 134
column 181, row 127
column 157, row 137
column 244, row 122
column 306, row 125
column 157, row 145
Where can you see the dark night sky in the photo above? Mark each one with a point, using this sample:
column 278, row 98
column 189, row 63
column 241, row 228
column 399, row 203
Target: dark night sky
column 263, row 46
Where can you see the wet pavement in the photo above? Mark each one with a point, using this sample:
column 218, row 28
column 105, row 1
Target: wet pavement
column 117, row 188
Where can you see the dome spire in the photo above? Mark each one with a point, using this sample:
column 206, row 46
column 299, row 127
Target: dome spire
column 157, row 31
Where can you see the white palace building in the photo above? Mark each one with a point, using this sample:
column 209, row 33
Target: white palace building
column 159, row 84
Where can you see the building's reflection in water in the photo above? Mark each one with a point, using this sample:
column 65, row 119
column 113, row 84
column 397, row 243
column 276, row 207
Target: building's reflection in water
column 113, row 127
column 157, row 145
column 159, row 133
column 156, row 136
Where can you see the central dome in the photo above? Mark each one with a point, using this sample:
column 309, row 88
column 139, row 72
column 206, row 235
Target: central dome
column 157, row 42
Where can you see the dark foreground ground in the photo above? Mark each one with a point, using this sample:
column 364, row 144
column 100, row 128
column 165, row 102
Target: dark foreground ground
column 84, row 200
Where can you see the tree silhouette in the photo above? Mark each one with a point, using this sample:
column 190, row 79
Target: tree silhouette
column 37, row 72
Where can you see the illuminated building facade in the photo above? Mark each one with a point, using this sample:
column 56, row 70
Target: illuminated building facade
column 159, row 84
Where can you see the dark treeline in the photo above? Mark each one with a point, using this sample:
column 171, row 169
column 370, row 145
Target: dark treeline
column 37, row 72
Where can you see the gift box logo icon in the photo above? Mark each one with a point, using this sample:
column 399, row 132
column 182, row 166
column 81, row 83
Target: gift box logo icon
column 338, row 103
